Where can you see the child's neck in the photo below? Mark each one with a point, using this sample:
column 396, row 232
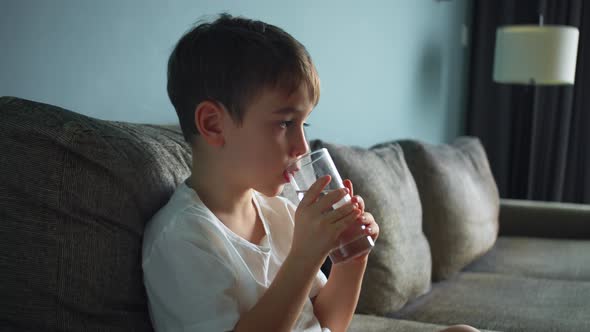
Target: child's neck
column 232, row 206
column 219, row 198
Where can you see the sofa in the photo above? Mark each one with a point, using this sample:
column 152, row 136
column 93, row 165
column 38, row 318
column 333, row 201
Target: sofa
column 76, row 193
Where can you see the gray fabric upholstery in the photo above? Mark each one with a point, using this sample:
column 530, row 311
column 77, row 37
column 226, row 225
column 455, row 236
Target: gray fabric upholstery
column 538, row 258
column 504, row 303
column 399, row 267
column 365, row 323
column 75, row 193
column 544, row 219
column 460, row 201
column 368, row 323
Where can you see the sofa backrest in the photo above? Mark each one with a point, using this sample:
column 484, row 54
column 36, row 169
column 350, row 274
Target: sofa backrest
column 399, row 266
column 75, row 193
column 460, row 201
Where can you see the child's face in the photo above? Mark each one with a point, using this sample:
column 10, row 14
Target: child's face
column 270, row 137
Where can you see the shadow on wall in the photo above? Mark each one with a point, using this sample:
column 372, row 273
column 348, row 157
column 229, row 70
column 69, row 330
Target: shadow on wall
column 441, row 77
column 429, row 82
column 456, row 76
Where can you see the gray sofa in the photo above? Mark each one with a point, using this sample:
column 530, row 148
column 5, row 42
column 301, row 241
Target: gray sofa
column 75, row 193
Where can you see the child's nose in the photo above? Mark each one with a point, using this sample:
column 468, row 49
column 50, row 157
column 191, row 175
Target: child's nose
column 300, row 146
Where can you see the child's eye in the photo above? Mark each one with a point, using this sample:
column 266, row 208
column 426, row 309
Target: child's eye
column 286, row 124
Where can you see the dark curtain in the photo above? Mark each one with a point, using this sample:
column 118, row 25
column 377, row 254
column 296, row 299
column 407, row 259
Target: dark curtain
column 537, row 138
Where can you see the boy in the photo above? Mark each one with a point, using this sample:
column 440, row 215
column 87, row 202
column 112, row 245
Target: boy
column 225, row 252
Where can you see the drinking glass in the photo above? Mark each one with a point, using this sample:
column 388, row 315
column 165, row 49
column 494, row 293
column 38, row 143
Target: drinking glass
column 304, row 172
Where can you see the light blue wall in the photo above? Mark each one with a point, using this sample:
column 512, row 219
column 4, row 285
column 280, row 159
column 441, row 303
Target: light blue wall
column 389, row 69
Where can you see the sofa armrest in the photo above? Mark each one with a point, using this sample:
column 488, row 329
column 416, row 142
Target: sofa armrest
column 544, row 219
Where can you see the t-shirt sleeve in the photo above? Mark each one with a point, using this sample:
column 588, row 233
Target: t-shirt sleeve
column 320, row 279
column 189, row 289
column 319, row 282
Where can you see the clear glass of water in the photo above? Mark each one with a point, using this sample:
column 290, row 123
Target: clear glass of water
column 302, row 174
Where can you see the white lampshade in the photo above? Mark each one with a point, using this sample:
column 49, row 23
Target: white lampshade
column 539, row 54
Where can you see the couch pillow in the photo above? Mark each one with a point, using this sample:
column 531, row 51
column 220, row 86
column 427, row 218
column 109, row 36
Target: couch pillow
column 399, row 266
column 460, row 201
column 75, row 194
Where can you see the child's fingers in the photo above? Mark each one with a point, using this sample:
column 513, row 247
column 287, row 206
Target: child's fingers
column 348, row 184
column 314, row 192
column 360, row 201
column 366, row 219
column 370, row 226
column 341, row 212
column 326, row 202
column 345, row 222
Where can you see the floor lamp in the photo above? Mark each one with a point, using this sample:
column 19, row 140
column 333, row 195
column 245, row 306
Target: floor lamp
column 535, row 55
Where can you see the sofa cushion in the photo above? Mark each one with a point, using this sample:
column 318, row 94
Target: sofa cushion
column 504, row 303
column 563, row 259
column 460, row 201
column 521, row 217
column 365, row 323
column 75, row 193
column 399, row 267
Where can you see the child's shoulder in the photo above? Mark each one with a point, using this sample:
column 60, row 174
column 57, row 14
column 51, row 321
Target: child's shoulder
column 169, row 214
column 183, row 218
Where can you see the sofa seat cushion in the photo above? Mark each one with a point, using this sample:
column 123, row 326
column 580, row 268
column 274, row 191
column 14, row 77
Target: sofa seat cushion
column 366, row 323
column 505, row 303
column 563, row 259
column 75, row 194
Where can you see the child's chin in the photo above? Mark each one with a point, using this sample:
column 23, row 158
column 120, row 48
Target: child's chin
column 272, row 191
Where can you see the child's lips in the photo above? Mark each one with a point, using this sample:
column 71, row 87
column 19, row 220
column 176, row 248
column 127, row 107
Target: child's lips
column 290, row 171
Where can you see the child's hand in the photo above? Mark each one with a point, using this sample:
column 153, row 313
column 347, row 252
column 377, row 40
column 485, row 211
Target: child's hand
column 317, row 225
column 366, row 219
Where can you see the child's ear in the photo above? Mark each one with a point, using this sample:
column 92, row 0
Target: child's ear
column 209, row 122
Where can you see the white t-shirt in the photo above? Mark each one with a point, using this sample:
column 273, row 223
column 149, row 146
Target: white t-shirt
column 201, row 276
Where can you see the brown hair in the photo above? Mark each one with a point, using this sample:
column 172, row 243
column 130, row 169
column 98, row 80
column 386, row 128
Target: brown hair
column 229, row 61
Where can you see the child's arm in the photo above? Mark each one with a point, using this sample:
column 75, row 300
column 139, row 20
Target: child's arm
column 316, row 232
column 281, row 304
column 336, row 302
